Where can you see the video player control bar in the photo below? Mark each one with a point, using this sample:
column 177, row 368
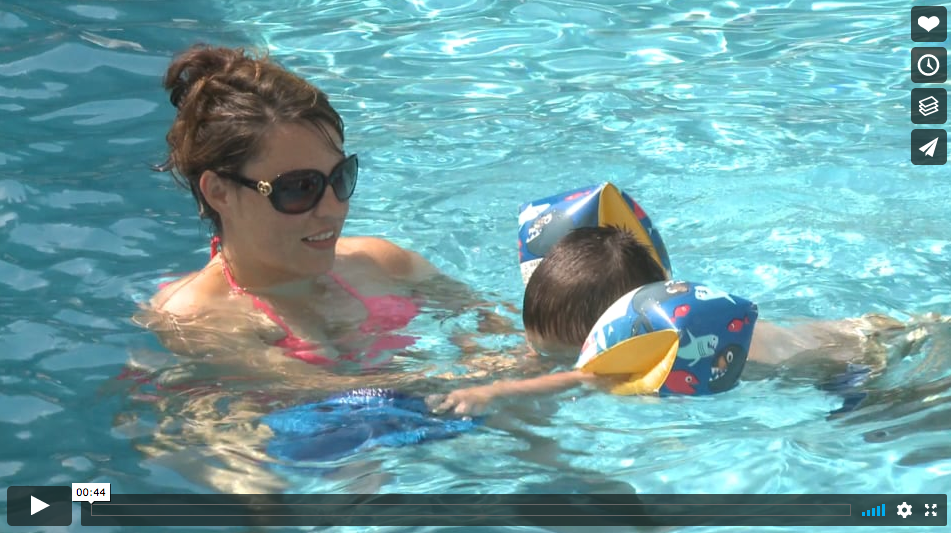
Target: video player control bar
column 512, row 510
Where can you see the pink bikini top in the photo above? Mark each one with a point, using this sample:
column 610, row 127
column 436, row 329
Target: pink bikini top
column 384, row 313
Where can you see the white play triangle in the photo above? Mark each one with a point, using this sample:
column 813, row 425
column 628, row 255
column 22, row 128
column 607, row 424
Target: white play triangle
column 37, row 505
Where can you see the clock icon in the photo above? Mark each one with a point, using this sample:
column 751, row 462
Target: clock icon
column 928, row 65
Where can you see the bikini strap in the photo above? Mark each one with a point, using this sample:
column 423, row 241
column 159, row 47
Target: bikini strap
column 347, row 287
column 258, row 303
column 215, row 245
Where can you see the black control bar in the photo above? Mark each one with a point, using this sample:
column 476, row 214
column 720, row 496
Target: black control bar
column 170, row 510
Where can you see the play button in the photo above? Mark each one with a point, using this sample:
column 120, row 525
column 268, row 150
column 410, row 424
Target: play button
column 39, row 506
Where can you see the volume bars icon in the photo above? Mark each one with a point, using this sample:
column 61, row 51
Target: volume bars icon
column 878, row 510
column 928, row 106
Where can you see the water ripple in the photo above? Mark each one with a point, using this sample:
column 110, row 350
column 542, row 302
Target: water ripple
column 102, row 112
column 54, row 238
column 22, row 340
column 75, row 58
column 20, row 279
column 95, row 12
column 23, row 410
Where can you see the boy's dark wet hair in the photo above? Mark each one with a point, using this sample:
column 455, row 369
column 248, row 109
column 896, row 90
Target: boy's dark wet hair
column 580, row 277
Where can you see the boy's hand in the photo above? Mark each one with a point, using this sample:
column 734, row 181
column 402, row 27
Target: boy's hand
column 468, row 402
column 474, row 400
column 603, row 382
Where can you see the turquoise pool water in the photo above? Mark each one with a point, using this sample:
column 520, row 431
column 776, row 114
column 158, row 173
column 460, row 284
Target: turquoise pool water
column 768, row 141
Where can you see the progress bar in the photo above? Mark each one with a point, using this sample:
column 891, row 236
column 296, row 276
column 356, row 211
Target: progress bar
column 513, row 510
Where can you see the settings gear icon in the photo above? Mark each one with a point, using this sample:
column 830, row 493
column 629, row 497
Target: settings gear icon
column 904, row 510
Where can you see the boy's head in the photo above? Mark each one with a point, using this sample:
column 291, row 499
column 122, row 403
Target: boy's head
column 580, row 277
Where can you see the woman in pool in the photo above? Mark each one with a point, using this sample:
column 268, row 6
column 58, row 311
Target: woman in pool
column 262, row 152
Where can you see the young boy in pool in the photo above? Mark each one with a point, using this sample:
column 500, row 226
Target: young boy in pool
column 581, row 276
column 588, row 270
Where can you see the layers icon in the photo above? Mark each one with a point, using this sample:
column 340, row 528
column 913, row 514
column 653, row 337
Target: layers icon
column 928, row 106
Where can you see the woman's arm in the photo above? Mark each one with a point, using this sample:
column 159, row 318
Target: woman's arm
column 442, row 293
column 413, row 269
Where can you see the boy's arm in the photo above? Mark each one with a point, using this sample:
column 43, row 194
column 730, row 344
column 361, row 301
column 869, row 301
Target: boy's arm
column 772, row 344
column 474, row 400
column 835, row 340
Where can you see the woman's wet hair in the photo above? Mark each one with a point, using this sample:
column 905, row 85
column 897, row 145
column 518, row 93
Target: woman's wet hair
column 585, row 272
column 227, row 102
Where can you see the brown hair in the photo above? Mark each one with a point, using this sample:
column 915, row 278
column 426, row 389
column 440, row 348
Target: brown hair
column 580, row 277
column 226, row 101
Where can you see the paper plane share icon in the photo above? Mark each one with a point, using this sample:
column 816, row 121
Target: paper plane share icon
column 928, row 149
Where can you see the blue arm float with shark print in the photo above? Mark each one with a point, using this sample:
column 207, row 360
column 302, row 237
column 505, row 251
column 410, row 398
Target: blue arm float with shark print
column 355, row 421
column 541, row 223
column 680, row 337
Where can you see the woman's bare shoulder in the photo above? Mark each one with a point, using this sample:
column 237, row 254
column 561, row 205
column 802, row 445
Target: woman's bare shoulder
column 394, row 260
column 198, row 294
column 189, row 295
column 195, row 313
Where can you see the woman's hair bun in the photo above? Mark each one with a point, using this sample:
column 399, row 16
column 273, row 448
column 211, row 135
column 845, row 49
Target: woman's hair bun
column 199, row 62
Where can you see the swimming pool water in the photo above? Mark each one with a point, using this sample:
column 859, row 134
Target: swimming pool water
column 768, row 142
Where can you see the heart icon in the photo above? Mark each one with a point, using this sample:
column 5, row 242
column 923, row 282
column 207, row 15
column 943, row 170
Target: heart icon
column 929, row 23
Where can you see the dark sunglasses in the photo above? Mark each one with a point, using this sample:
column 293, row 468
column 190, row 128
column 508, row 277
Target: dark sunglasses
column 298, row 191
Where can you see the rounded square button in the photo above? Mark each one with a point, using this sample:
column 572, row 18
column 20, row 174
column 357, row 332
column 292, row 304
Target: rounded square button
column 929, row 65
column 39, row 506
column 929, row 24
column 929, row 147
column 929, row 106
